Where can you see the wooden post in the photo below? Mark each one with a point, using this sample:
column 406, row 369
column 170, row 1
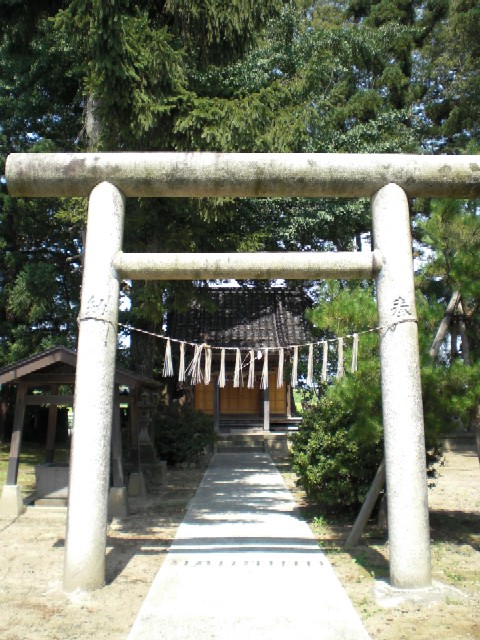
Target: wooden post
column 367, row 507
column 134, row 444
column 11, row 501
column 52, row 427
column 16, row 441
column 216, row 406
column 3, row 410
column 266, row 409
column 117, row 467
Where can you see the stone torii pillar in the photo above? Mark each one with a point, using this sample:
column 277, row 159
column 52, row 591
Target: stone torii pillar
column 94, row 394
column 408, row 527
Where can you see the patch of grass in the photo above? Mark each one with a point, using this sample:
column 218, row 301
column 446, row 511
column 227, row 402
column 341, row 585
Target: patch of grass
column 319, row 524
column 454, row 577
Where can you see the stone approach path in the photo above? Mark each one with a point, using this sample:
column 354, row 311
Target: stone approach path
column 244, row 567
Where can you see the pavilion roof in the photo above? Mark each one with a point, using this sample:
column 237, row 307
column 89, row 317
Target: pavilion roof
column 56, row 361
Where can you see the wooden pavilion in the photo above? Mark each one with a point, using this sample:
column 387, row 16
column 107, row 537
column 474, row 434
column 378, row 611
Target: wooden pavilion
column 48, row 379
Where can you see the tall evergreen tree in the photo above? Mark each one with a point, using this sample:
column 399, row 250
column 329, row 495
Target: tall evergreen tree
column 267, row 76
column 450, row 74
column 40, row 239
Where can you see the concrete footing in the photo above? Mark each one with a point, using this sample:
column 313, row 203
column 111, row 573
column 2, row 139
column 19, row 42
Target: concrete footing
column 136, row 485
column 11, row 502
column 391, row 597
column 117, row 502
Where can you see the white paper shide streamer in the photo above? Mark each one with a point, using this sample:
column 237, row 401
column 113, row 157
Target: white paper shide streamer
column 310, row 366
column 195, row 367
column 251, row 369
column 181, row 369
column 324, row 361
column 167, row 363
column 221, row 377
column 237, row 375
column 294, row 379
column 281, row 359
column 208, row 365
column 264, row 379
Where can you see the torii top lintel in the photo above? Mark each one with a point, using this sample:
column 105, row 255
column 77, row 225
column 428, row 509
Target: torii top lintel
column 203, row 174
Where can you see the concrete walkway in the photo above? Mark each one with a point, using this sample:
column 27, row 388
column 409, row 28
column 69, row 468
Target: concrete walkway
column 244, row 567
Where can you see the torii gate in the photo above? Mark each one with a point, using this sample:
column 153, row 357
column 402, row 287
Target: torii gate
column 107, row 178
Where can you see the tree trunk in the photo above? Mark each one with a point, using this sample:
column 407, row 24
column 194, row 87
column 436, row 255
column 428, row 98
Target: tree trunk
column 93, row 125
column 143, row 352
column 463, row 334
column 476, row 428
column 443, row 328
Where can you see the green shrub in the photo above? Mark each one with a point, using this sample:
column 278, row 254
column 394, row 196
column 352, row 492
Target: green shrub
column 339, row 446
column 183, row 434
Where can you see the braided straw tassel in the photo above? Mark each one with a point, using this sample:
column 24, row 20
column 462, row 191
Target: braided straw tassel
column 181, row 368
column 167, row 363
column 294, row 380
column 264, row 380
column 221, row 377
column 251, row 370
column 355, row 353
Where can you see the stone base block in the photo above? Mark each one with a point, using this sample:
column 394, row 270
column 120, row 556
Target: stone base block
column 11, row 502
column 117, row 502
column 52, row 480
column 136, row 485
column 389, row 597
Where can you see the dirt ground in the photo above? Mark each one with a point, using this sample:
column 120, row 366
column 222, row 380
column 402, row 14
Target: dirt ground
column 455, row 534
column 34, row 607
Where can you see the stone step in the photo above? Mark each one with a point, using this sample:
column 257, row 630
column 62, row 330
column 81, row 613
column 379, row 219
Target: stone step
column 225, row 448
column 236, row 442
column 42, row 510
column 274, row 444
